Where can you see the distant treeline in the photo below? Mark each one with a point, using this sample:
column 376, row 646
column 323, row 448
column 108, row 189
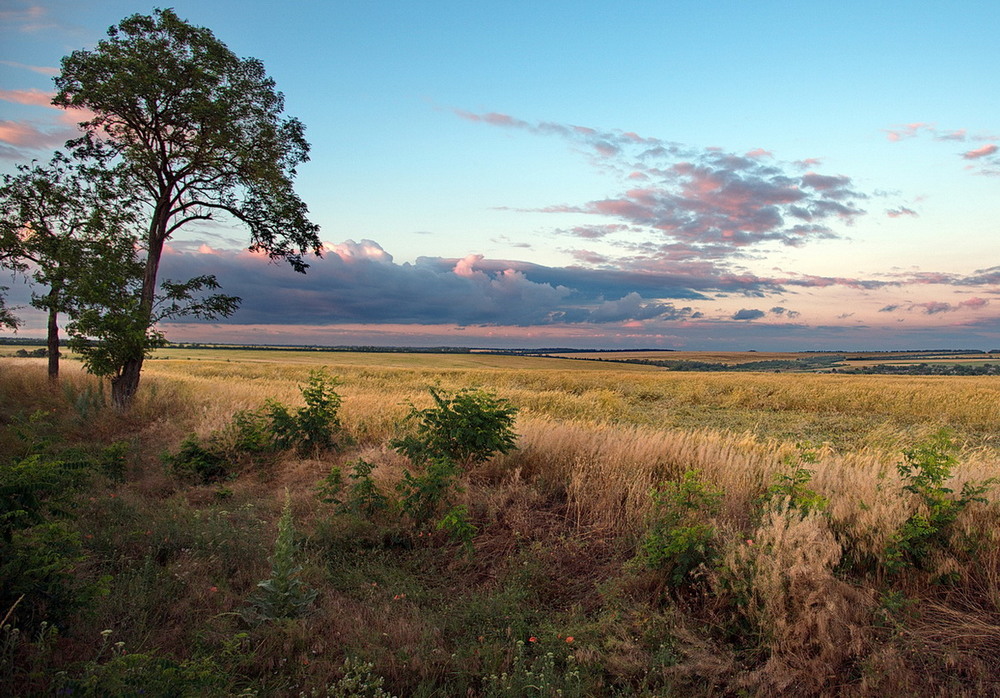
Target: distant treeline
column 805, row 363
column 279, row 347
column 922, row 369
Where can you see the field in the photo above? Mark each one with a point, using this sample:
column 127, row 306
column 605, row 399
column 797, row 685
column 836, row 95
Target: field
column 651, row 533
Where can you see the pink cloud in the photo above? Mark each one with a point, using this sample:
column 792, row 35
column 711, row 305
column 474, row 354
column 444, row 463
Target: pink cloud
column 980, row 152
column 760, row 153
column 35, row 97
column 22, row 134
column 974, row 303
column 907, row 130
column 44, row 70
column 901, row 211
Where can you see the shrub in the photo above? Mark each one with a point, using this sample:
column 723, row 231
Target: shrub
column 468, row 427
column 925, row 469
column 362, row 496
column 197, row 461
column 790, row 490
column 311, row 428
column 679, row 539
column 423, row 496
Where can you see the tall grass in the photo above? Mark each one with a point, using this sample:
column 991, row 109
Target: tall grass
column 791, row 602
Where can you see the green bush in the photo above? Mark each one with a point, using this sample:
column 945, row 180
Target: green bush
column 790, row 490
column 423, row 496
column 310, row 429
column 679, row 538
column 197, row 461
column 924, row 471
column 468, row 427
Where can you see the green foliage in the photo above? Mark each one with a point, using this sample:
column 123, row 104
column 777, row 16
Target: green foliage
column 311, row 428
column 679, row 538
column 283, row 594
column 456, row 524
column 255, row 433
column 358, row 681
column 542, row 676
column 123, row 673
column 39, row 563
column 197, row 461
column 424, row 495
column 34, row 488
column 188, row 130
column 925, row 470
column 468, row 427
column 790, row 490
column 361, row 496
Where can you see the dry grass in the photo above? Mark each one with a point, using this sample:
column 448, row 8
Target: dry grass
column 803, row 609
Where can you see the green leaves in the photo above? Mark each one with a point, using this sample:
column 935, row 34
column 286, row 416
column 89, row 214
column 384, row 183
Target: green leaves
column 468, row 427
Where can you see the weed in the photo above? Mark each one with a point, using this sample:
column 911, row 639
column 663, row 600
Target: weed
column 538, row 676
column 197, row 461
column 358, row 681
column 283, row 594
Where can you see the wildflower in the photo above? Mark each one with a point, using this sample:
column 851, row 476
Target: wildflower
column 532, row 639
column 749, row 541
column 213, row 589
column 569, row 639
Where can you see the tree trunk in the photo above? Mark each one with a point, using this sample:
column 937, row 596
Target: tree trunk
column 53, row 340
column 125, row 384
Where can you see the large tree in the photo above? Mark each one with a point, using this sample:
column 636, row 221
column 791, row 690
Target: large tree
column 67, row 229
column 197, row 132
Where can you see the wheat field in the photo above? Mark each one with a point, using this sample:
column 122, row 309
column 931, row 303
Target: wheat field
column 795, row 602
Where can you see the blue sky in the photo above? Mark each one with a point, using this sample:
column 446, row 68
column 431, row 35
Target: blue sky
column 672, row 174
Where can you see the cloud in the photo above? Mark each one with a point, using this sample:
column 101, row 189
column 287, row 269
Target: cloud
column 34, row 97
column 705, row 198
column 937, row 307
column 359, row 282
column 785, row 312
column 983, row 160
column 42, row 69
column 980, row 152
column 901, row 211
column 748, row 314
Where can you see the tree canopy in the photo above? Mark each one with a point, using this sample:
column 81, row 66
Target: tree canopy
column 194, row 132
column 67, row 229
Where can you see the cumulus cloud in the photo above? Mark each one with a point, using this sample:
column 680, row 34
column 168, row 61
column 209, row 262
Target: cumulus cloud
column 359, row 282
column 706, row 198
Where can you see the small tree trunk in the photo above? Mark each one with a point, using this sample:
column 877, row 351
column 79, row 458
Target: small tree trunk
column 125, row 384
column 53, row 344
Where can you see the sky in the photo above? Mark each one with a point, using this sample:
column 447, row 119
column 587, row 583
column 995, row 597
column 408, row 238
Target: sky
column 674, row 175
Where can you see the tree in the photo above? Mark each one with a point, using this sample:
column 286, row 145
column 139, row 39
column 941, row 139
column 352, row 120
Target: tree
column 195, row 132
column 68, row 229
